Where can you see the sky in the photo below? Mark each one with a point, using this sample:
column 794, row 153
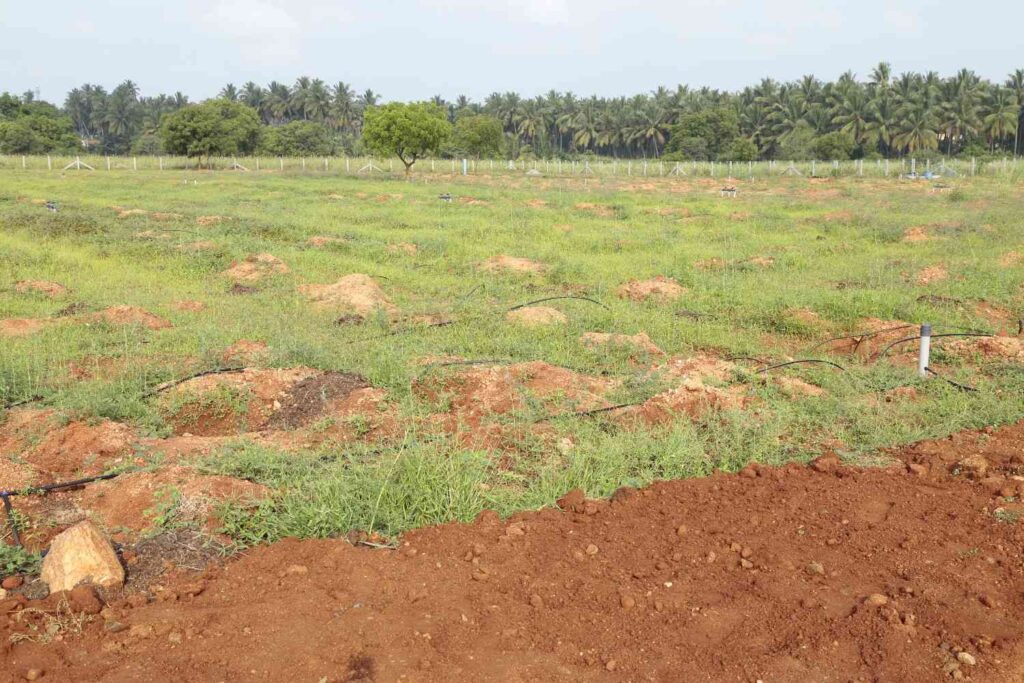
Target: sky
column 413, row 49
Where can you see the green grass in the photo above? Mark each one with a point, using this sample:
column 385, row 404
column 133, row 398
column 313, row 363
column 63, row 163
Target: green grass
column 838, row 250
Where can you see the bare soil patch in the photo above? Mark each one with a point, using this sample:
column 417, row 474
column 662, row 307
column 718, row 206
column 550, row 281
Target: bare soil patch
column 256, row 267
column 639, row 342
column 247, row 352
column 788, row 574
column 22, row 327
column 660, row 289
column 537, row 316
column 356, row 293
column 515, row 264
column 931, row 275
column 1010, row 259
column 311, row 398
column 201, row 245
column 596, row 209
column 189, row 306
column 130, row 315
column 403, row 248
column 80, row 448
column 50, row 289
column 324, row 240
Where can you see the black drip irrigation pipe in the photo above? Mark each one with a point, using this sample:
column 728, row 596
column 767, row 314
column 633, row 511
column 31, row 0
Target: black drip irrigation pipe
column 555, row 298
column 173, row 383
column 6, row 496
column 934, row 336
column 22, row 402
column 860, row 336
column 588, row 413
column 961, row 387
column 803, row 360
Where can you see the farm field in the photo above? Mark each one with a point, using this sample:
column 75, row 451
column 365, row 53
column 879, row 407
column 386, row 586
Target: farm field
column 268, row 356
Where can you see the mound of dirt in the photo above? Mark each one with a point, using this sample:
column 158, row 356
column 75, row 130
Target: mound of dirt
column 81, row 448
column 403, row 248
column 713, row 263
column 931, row 274
column 1010, row 259
column 256, row 267
column 795, row 387
column 22, row 327
column 229, row 403
column 536, row 203
column 659, row 289
column 760, row 261
column 22, row 426
column 324, row 240
column 307, row 400
column 188, row 306
column 130, row 315
column 872, row 337
column 245, row 351
column 701, row 366
column 692, row 398
column 596, row 209
column 1000, row 348
column 788, row 574
column 536, row 316
column 152, row 235
column 501, row 262
column 211, row 220
column 806, row 316
column 127, row 213
column 132, row 501
column 638, row 342
column 356, row 293
column 50, row 289
column 917, row 233
column 482, row 393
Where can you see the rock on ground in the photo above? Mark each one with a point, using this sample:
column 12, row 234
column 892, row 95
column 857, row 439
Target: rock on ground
column 81, row 554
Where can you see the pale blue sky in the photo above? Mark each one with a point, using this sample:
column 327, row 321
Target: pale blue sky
column 412, row 49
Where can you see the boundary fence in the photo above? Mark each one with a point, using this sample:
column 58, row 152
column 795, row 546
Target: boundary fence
column 603, row 168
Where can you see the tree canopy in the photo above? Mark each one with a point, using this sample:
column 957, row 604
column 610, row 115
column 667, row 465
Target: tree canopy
column 885, row 114
column 477, row 135
column 218, row 127
column 408, row 131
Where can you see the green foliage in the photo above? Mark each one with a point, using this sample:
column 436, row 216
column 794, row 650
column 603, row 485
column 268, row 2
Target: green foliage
column 216, row 127
column 705, row 135
column 15, row 560
column 741, row 149
column 797, row 144
column 478, row 135
column 838, row 145
column 298, row 138
column 409, row 131
column 33, row 127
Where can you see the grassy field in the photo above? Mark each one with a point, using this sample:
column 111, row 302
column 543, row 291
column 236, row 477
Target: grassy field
column 789, row 263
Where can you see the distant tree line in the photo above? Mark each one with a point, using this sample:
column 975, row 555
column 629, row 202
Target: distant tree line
column 882, row 116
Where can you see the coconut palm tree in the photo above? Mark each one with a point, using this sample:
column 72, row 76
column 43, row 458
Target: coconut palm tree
column 255, row 97
column 917, row 128
column 1015, row 82
column 228, row 92
column 279, row 98
column 1001, row 120
column 344, row 111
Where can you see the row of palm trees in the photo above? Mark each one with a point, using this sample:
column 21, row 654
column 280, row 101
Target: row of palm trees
column 884, row 114
column 891, row 116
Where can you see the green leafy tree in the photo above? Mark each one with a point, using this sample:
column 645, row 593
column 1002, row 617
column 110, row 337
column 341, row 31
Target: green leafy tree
column 409, row 131
column 798, row 144
column 298, row 138
column 217, row 127
column 838, row 145
column 741, row 149
column 707, row 134
column 478, row 135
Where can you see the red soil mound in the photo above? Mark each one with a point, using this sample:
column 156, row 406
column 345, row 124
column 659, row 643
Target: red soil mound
column 660, row 289
column 50, row 289
column 22, row 327
column 81, row 448
column 788, row 575
column 130, row 315
column 356, row 293
column 501, row 262
column 256, row 267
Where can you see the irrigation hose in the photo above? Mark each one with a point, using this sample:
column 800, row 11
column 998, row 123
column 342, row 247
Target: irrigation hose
column 934, row 336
